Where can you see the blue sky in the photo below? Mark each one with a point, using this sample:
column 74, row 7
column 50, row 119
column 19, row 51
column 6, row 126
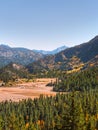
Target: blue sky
column 47, row 24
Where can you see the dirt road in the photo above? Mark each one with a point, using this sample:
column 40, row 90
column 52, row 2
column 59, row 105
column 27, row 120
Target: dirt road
column 26, row 90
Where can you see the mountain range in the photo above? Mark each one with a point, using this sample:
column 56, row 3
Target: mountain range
column 18, row 55
column 74, row 58
column 22, row 56
column 70, row 59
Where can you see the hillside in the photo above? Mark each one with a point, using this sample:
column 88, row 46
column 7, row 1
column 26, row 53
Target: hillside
column 72, row 58
column 79, row 81
column 18, row 55
column 93, row 62
column 12, row 72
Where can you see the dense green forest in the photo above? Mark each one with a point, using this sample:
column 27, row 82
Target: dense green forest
column 74, row 108
column 79, row 81
column 74, row 111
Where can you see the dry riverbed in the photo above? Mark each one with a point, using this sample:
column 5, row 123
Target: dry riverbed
column 27, row 90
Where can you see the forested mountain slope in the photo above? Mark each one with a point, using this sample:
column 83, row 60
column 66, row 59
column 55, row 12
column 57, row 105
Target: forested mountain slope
column 79, row 81
column 12, row 72
column 69, row 59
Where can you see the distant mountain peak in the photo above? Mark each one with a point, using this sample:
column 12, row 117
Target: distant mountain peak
column 4, row 46
column 96, row 36
column 55, row 51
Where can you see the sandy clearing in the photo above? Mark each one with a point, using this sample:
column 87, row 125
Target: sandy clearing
column 27, row 90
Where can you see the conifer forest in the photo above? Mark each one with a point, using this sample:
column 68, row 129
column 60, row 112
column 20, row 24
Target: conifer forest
column 75, row 108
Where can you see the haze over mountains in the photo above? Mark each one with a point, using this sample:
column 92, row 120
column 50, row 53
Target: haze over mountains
column 55, row 51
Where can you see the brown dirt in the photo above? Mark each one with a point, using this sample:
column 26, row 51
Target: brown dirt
column 27, row 90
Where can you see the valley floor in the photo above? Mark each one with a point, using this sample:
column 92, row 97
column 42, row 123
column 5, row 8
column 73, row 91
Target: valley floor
column 27, row 90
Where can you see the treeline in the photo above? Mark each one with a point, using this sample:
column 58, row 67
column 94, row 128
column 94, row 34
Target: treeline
column 79, row 81
column 48, row 74
column 74, row 111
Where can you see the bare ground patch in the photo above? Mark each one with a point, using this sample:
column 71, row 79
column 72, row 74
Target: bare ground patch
column 27, row 90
